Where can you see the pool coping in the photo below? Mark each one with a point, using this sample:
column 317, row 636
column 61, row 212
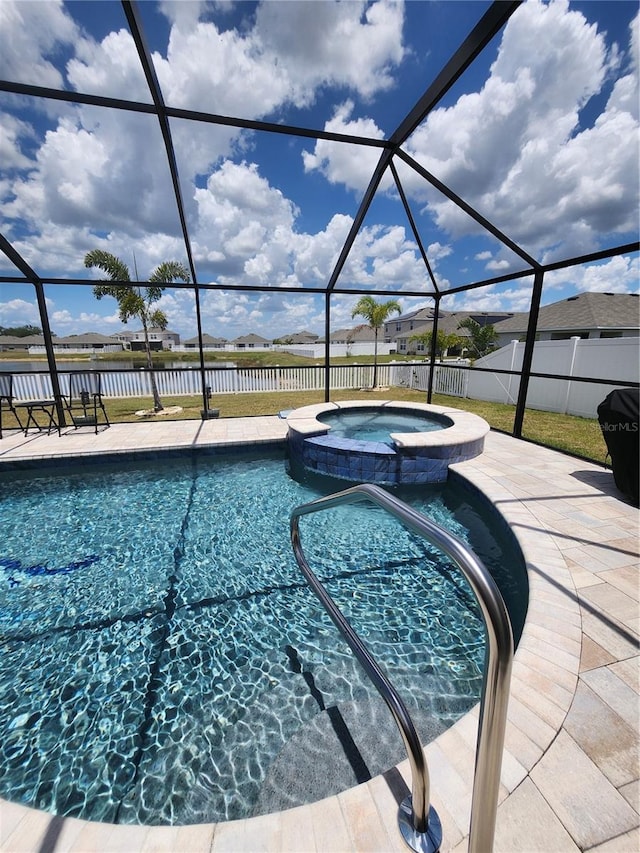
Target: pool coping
column 558, row 790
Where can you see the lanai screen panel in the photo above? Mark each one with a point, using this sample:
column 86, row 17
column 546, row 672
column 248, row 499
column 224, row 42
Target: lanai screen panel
column 543, row 141
column 73, row 47
column 273, row 139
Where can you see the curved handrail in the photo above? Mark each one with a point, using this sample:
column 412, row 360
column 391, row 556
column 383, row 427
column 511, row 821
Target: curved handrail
column 497, row 671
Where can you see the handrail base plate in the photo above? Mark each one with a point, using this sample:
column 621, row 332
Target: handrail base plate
column 421, row 842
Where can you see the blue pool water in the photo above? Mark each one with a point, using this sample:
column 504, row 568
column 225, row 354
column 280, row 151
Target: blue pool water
column 163, row 662
column 376, row 424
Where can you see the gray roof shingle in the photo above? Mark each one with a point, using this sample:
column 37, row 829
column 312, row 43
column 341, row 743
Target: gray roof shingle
column 585, row 311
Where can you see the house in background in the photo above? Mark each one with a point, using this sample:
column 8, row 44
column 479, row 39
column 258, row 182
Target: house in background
column 159, row 339
column 92, row 342
column 88, row 342
column 588, row 316
column 297, row 338
column 250, row 342
column 124, row 337
column 356, row 335
column 12, row 343
column 407, row 324
column 448, row 324
column 208, row 343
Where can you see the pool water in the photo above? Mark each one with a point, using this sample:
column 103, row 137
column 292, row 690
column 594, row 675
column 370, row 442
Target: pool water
column 163, row 662
column 377, row 424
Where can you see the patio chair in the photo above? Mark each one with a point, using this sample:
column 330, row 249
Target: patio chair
column 85, row 400
column 6, row 397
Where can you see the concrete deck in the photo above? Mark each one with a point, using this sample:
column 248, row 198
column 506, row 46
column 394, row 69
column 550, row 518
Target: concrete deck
column 570, row 766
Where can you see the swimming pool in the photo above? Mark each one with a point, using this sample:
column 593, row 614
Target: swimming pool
column 378, row 424
column 163, row 661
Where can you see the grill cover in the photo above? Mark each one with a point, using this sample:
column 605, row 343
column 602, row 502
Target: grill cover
column 618, row 416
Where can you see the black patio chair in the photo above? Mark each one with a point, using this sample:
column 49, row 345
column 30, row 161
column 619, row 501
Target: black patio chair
column 6, row 397
column 85, row 400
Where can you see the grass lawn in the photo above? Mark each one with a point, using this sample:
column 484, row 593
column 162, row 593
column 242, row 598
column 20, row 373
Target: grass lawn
column 580, row 436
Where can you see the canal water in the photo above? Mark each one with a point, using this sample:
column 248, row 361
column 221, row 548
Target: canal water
column 25, row 365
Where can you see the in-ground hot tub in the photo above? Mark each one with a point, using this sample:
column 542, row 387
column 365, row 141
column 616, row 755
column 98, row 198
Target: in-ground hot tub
column 423, row 456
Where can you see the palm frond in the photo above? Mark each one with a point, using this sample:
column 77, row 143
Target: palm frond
column 158, row 318
column 169, row 271
column 108, row 263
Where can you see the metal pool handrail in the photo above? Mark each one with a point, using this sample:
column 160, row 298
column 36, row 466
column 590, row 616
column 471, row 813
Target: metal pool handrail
column 424, row 821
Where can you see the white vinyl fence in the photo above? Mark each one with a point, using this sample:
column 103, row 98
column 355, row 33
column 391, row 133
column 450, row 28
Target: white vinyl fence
column 446, row 380
column 187, row 382
column 615, row 358
column 232, row 380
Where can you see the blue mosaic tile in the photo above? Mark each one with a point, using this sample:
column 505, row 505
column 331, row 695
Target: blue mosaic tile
column 379, row 462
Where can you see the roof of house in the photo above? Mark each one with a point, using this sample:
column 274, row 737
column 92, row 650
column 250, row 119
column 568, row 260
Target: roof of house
column 69, row 340
column 425, row 313
column 585, row 311
column 302, row 337
column 86, row 338
column 14, row 339
column 356, row 334
column 206, row 339
column 250, row 339
column 26, row 340
column 299, row 337
column 449, row 322
column 155, row 329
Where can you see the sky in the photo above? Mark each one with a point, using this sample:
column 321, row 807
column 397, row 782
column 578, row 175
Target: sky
column 540, row 136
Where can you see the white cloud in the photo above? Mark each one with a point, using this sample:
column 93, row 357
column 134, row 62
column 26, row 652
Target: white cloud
column 516, row 150
column 110, row 67
column 283, row 56
column 107, row 171
column 436, row 251
column 13, row 131
column 498, row 265
column 245, row 222
column 247, row 232
column 491, row 298
column 617, row 275
column 67, row 323
column 315, row 255
column 29, row 34
column 19, row 312
column 228, row 315
column 385, row 257
column 343, row 163
column 353, row 44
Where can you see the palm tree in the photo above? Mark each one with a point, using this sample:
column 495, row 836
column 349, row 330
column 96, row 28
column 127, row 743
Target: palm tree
column 375, row 313
column 483, row 338
column 137, row 301
column 444, row 341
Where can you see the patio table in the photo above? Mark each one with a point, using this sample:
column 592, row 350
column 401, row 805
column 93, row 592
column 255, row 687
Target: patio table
column 47, row 407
